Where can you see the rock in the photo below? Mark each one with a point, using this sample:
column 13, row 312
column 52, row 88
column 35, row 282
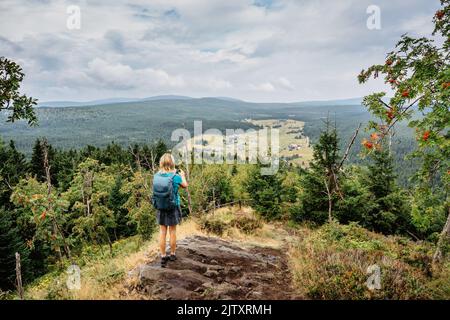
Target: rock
column 256, row 295
column 211, row 268
column 207, row 285
column 211, row 273
column 235, row 269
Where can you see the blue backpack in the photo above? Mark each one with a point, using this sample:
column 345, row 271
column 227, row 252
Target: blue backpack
column 163, row 197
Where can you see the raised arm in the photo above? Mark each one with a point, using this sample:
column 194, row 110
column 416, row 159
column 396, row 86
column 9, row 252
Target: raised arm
column 184, row 183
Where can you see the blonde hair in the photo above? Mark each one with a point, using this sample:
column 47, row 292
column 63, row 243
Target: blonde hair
column 167, row 162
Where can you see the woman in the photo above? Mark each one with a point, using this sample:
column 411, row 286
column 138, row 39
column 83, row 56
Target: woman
column 170, row 218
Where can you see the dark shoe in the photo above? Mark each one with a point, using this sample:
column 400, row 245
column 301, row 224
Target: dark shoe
column 164, row 261
column 173, row 257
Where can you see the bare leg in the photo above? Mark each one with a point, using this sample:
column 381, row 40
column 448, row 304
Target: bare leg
column 173, row 239
column 162, row 240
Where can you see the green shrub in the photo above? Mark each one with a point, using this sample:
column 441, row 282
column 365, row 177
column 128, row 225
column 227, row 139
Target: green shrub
column 332, row 263
column 219, row 223
column 246, row 224
column 215, row 225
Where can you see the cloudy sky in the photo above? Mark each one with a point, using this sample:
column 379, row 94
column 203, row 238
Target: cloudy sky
column 256, row 50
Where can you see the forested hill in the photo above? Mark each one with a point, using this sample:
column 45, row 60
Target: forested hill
column 149, row 119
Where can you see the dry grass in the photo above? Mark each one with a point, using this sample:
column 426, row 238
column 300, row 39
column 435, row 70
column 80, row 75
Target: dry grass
column 268, row 235
column 106, row 278
column 286, row 137
column 332, row 262
column 326, row 263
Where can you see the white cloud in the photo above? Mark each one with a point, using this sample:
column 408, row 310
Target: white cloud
column 285, row 83
column 122, row 76
column 288, row 51
column 265, row 87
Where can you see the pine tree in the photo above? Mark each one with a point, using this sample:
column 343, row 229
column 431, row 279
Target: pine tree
column 234, row 170
column 266, row 192
column 64, row 164
column 320, row 187
column 10, row 243
column 389, row 214
column 117, row 199
column 160, row 149
column 37, row 162
column 13, row 167
column 113, row 154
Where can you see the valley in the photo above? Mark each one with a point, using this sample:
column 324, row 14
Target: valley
column 295, row 146
column 144, row 122
column 214, row 145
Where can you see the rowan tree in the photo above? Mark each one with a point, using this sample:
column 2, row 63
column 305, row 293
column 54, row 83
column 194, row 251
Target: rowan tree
column 47, row 211
column 140, row 209
column 88, row 195
column 18, row 105
column 418, row 73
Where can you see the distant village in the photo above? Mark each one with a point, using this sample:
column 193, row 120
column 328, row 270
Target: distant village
column 294, row 145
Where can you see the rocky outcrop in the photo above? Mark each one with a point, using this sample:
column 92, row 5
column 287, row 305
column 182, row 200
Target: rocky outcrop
column 211, row 268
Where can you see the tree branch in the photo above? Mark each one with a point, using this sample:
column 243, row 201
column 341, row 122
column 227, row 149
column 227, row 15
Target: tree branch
column 347, row 151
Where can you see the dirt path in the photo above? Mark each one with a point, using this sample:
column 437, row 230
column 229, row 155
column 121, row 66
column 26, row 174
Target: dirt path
column 211, row 268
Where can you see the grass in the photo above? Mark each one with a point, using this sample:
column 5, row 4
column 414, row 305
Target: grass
column 229, row 220
column 287, row 136
column 332, row 263
column 329, row 262
column 103, row 276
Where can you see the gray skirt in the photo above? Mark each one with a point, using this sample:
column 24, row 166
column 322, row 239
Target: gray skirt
column 168, row 218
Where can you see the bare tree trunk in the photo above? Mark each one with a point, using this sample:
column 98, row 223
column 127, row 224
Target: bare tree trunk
column 349, row 146
column 214, row 202
column 153, row 161
column 19, row 277
column 109, row 244
column 445, row 235
column 57, row 248
column 330, row 202
column 56, row 228
column 86, row 191
column 187, row 179
column 83, row 198
column 390, row 142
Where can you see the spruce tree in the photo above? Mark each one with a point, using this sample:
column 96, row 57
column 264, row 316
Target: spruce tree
column 13, row 167
column 10, row 243
column 160, row 149
column 389, row 213
column 116, row 202
column 266, row 192
column 320, row 180
column 37, row 161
